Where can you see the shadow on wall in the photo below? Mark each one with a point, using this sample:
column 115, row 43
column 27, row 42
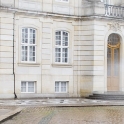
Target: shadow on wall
column 85, row 93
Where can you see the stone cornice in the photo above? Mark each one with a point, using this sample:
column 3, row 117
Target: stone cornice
column 56, row 15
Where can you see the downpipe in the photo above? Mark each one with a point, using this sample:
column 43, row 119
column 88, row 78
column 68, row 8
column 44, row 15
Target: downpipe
column 15, row 96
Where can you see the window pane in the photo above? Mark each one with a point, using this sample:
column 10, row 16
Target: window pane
column 58, row 33
column 25, row 35
column 116, row 62
column 65, row 39
column 30, row 89
column 56, row 89
column 34, row 31
column 63, row 86
column 23, row 86
column 105, row 1
column 65, row 55
column 30, row 86
column 58, row 38
column 32, row 36
column 24, row 53
column 23, row 89
column 56, row 86
column 32, row 53
column 31, row 31
column 57, row 54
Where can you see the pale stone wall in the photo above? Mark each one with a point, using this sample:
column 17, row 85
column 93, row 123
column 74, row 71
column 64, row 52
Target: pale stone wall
column 89, row 59
column 86, row 70
column 73, row 7
column 45, row 72
column 6, row 43
column 28, row 71
column 6, row 55
column 116, row 2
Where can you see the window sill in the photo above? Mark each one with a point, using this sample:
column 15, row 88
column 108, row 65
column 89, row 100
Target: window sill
column 61, row 93
column 28, row 92
column 62, row 65
column 65, row 2
column 29, row 64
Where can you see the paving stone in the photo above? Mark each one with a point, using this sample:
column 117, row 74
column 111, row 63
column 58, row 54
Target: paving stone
column 69, row 115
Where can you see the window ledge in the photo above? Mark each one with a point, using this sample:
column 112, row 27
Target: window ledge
column 29, row 64
column 61, row 1
column 62, row 65
column 27, row 92
column 61, row 93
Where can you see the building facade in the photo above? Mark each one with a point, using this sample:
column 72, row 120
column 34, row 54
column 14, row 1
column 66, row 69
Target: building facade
column 61, row 48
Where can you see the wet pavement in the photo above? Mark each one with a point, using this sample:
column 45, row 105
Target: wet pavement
column 69, row 115
column 4, row 111
column 60, row 102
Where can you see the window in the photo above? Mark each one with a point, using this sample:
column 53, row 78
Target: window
column 61, row 87
column 28, row 45
column 27, row 87
column 62, row 0
column 61, row 47
column 105, row 1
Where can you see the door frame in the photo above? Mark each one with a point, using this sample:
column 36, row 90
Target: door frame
column 121, row 78
column 112, row 70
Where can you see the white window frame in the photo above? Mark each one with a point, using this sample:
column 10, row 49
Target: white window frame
column 61, row 47
column 106, row 1
column 28, row 45
column 62, row 1
column 60, row 83
column 28, row 86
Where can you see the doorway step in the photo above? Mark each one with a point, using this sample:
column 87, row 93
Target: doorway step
column 107, row 96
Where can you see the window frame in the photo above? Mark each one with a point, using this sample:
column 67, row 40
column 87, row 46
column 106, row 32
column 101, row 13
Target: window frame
column 106, row 1
column 28, row 87
column 28, row 45
column 60, row 86
column 61, row 47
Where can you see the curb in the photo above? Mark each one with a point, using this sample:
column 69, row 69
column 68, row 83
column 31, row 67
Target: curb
column 9, row 114
column 77, row 105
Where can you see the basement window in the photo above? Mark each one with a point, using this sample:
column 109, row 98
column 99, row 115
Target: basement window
column 27, row 87
column 61, row 86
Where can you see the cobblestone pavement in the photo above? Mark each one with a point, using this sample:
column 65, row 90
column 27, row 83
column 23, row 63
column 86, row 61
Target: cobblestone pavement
column 69, row 115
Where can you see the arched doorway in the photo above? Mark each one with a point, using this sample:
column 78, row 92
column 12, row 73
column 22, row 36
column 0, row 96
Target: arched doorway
column 113, row 62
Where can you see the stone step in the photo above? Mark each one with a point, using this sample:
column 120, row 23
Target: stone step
column 107, row 96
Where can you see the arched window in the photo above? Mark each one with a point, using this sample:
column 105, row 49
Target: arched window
column 61, row 46
column 28, row 45
column 113, row 40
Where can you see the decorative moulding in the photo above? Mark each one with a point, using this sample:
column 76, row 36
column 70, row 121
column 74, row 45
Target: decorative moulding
column 115, row 26
column 61, row 9
column 31, row 5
